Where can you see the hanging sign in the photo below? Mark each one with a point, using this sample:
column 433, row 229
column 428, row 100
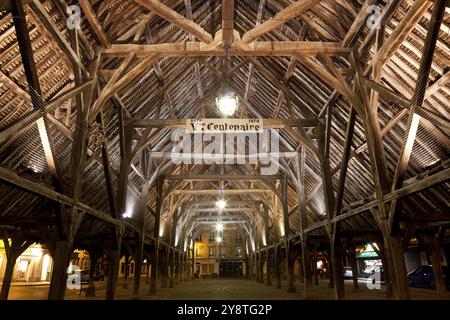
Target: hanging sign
column 221, row 125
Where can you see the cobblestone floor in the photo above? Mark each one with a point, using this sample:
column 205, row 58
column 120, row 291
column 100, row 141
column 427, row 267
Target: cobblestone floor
column 239, row 289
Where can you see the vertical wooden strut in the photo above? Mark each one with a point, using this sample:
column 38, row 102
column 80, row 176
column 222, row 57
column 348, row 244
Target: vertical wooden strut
column 333, row 231
column 267, row 234
column 159, row 191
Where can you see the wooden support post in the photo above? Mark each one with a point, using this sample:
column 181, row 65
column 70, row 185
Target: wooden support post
column 159, row 193
column 306, row 267
column 58, row 282
column 113, row 262
column 127, row 270
column 139, row 256
column 277, row 263
column 94, row 255
column 338, row 270
column 269, row 268
column 433, row 242
column 164, row 268
column 354, row 265
column 290, row 269
column 173, row 268
column 13, row 250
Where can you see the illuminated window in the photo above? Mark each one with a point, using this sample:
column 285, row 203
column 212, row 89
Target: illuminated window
column 199, row 252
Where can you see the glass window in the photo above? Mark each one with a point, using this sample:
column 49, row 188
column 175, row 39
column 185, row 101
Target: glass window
column 204, row 268
column 199, row 252
column 238, row 251
column 222, row 251
column 211, row 252
column 212, row 236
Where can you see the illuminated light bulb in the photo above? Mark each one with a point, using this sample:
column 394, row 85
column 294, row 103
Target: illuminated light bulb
column 219, row 239
column 227, row 105
column 219, row 227
column 221, row 204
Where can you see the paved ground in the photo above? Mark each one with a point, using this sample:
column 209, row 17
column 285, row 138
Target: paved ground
column 220, row 289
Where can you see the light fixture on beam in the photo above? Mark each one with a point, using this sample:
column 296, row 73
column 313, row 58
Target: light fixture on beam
column 227, row 103
column 219, row 227
column 219, row 239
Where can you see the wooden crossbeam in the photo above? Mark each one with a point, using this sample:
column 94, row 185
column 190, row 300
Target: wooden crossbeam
column 226, row 177
column 226, row 192
column 177, row 19
column 414, row 187
column 181, row 123
column 280, row 18
column 258, row 48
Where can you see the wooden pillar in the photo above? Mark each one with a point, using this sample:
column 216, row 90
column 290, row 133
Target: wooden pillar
column 395, row 261
column 164, row 269
column 354, row 265
column 382, row 253
column 277, row 267
column 94, row 255
column 261, row 268
column 147, row 276
column 193, row 259
column 290, row 268
column 314, row 268
column 13, row 251
column 127, row 271
column 58, row 282
column 433, row 243
column 306, row 266
column 172, row 268
column 326, row 253
column 159, row 190
column 268, row 267
column 113, row 264
column 338, row 270
column 140, row 237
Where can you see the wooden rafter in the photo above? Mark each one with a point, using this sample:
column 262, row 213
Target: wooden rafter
column 281, row 17
column 174, row 17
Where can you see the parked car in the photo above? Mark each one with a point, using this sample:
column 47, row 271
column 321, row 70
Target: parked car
column 348, row 273
column 423, row 276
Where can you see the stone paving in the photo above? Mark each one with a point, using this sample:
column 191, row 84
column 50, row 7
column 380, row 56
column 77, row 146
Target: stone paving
column 220, row 289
